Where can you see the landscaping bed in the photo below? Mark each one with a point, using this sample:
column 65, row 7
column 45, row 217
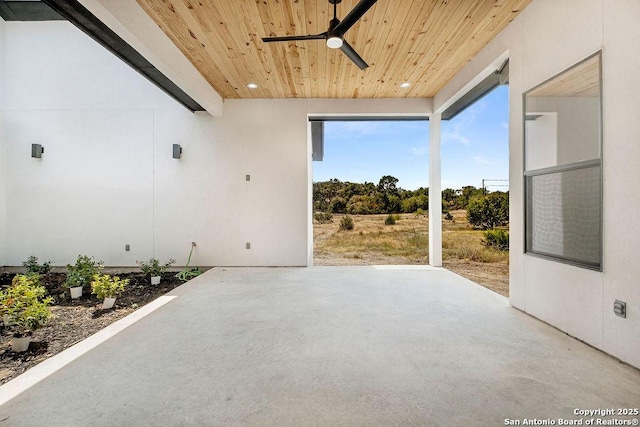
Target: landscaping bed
column 74, row 320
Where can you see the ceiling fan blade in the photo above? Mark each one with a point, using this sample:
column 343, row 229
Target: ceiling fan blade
column 353, row 16
column 294, row 38
column 353, row 55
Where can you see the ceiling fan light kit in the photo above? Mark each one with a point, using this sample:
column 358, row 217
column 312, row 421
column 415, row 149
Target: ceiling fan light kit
column 334, row 42
column 334, row 36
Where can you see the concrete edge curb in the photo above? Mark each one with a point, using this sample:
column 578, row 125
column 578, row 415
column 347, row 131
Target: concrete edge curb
column 41, row 371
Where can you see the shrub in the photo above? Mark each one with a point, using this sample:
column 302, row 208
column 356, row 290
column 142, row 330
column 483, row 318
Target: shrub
column 346, row 223
column 390, row 220
column 106, row 286
column 25, row 303
column 323, row 217
column 32, row 266
column 490, row 211
column 448, row 216
column 338, row 205
column 497, row 239
column 415, row 203
column 153, row 266
column 362, row 205
column 391, row 203
column 31, row 279
column 82, row 272
column 419, row 212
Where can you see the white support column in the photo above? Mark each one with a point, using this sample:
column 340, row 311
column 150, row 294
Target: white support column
column 309, row 197
column 435, row 192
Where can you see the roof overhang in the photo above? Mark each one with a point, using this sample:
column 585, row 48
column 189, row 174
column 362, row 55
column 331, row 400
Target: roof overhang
column 128, row 21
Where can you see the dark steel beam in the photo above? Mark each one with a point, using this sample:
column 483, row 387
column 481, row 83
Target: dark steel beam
column 27, row 11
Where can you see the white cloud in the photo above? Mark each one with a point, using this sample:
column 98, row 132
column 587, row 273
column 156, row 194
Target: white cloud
column 460, row 124
column 419, row 151
column 483, row 161
column 350, row 129
column 454, row 136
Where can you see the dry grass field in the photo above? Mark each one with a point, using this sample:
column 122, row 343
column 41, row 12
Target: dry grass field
column 371, row 242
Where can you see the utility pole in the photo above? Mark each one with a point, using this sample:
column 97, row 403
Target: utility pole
column 484, row 185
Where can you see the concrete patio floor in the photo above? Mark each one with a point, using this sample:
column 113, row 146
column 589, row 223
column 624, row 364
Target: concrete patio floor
column 329, row 346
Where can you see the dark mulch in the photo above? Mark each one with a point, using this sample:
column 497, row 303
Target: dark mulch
column 74, row 320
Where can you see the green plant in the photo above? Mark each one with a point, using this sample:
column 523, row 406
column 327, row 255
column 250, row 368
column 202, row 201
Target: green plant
column 32, row 265
column 390, row 220
column 25, row 303
column 187, row 273
column 346, row 223
column 323, row 217
column 362, row 205
column 497, row 239
column 81, row 274
column 338, row 205
column 490, row 211
column 106, row 286
column 419, row 212
column 153, row 266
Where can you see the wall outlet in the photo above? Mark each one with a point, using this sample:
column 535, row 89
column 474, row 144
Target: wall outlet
column 620, row 308
column 127, row 247
column 247, row 245
column 247, row 177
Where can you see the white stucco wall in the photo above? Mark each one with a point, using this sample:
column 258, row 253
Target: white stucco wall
column 53, row 66
column 576, row 123
column 204, row 196
column 542, row 134
column 107, row 177
column 3, row 176
column 621, row 165
column 546, row 38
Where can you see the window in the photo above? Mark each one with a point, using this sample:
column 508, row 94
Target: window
column 563, row 166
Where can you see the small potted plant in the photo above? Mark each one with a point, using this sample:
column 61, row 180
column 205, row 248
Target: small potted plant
column 108, row 288
column 81, row 274
column 6, row 299
column 33, row 266
column 154, row 269
column 25, row 303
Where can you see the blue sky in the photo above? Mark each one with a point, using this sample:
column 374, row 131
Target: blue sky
column 475, row 145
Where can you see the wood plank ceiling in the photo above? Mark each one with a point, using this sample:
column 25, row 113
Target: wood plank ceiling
column 424, row 42
column 581, row 80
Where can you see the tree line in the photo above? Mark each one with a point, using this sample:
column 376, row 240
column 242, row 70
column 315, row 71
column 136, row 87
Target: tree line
column 484, row 209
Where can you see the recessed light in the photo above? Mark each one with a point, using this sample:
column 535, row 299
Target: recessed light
column 252, row 86
column 405, row 85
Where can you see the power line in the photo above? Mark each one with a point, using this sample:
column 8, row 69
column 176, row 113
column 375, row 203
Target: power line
column 485, row 185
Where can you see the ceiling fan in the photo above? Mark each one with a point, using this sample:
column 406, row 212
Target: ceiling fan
column 334, row 36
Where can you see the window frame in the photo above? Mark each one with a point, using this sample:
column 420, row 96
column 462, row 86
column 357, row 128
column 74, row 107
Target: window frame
column 591, row 163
